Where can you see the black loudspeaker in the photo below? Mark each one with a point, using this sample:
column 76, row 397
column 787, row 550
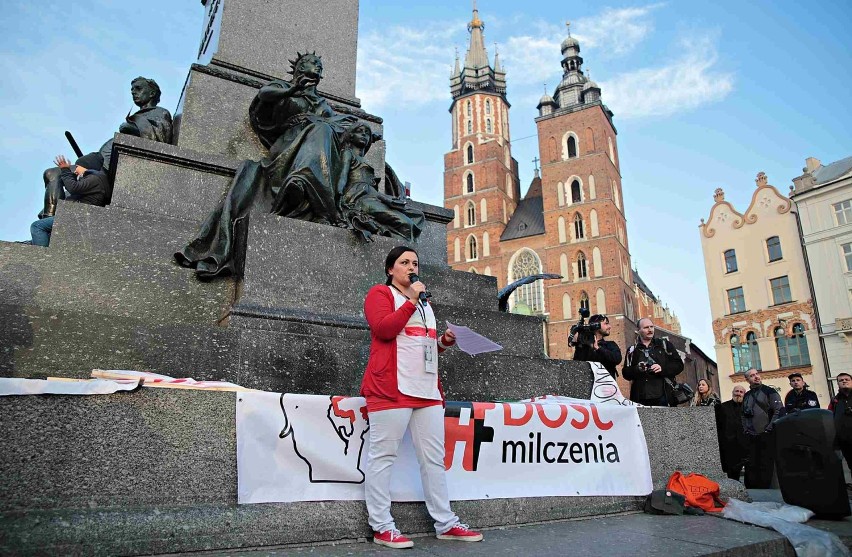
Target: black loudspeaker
column 809, row 472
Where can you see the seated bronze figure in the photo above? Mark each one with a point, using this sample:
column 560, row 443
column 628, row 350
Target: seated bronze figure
column 305, row 175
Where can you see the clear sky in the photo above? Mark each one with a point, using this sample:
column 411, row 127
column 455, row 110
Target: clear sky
column 705, row 95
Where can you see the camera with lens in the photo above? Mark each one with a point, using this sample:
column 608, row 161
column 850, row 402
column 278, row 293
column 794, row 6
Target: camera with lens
column 645, row 364
column 582, row 333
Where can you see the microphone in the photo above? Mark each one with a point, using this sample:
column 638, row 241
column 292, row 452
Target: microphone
column 423, row 295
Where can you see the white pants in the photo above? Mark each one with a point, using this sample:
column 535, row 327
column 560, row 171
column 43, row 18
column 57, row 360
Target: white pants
column 427, row 432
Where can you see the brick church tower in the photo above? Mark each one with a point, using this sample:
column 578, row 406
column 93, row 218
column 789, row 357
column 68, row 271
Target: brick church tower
column 480, row 175
column 585, row 227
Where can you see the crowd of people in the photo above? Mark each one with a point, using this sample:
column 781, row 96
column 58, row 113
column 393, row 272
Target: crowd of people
column 745, row 423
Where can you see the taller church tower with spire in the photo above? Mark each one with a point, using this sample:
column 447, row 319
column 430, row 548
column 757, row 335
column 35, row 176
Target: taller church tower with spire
column 480, row 176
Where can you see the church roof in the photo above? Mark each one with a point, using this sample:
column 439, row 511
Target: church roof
column 641, row 283
column 527, row 220
column 535, row 187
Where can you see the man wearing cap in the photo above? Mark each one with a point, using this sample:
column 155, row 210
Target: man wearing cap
column 605, row 352
column 85, row 183
column 799, row 397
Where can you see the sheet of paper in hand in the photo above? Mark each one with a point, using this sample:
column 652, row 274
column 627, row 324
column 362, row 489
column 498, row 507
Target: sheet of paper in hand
column 471, row 342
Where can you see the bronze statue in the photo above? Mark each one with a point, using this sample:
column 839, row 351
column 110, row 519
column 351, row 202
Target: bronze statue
column 366, row 210
column 303, row 177
column 150, row 122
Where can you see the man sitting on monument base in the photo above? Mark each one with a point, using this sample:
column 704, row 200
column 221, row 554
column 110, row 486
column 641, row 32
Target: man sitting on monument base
column 149, row 122
column 85, row 183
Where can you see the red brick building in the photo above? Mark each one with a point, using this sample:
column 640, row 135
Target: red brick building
column 571, row 221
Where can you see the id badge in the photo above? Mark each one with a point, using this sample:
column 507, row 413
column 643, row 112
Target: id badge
column 429, row 355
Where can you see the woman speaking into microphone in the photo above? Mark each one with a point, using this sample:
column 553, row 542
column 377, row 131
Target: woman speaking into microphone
column 403, row 392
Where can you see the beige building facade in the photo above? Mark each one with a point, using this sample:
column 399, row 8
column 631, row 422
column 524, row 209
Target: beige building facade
column 760, row 300
column 823, row 196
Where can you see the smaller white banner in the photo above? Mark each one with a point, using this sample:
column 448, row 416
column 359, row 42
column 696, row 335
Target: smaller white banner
column 294, row 447
column 16, row 386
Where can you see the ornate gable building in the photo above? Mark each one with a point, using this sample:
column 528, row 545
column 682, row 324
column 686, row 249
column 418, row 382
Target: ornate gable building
column 570, row 222
column 760, row 299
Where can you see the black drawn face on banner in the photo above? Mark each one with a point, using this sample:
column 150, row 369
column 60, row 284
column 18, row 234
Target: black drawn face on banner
column 329, row 438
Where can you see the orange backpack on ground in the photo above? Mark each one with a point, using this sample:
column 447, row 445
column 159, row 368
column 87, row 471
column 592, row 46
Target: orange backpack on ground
column 700, row 491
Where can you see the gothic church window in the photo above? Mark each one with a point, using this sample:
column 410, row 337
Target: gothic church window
column 572, row 147
column 576, row 193
column 469, row 127
column 469, row 183
column 471, row 214
column 470, row 154
column 469, row 112
column 582, row 268
column 471, row 248
column 579, row 230
column 487, row 107
column 530, row 297
column 584, row 300
column 488, row 127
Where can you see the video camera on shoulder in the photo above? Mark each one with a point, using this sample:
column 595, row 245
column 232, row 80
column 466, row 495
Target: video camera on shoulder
column 582, row 333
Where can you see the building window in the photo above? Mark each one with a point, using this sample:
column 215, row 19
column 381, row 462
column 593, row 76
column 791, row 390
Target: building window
column 469, row 184
column 582, row 268
column 471, row 249
column 488, row 128
column 736, row 300
column 487, row 106
column 773, row 247
column 843, row 212
column 792, row 351
column 529, row 297
column 470, row 214
column 576, row 195
column 780, row 290
column 730, row 261
column 469, row 110
column 584, row 300
column 579, row 231
column 745, row 355
column 469, row 127
column 470, row 154
column 847, row 255
column 572, row 147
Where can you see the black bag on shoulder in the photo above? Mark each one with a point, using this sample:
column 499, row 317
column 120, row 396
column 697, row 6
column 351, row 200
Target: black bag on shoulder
column 679, row 392
column 664, row 501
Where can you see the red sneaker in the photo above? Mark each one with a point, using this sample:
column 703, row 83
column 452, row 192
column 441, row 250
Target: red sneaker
column 392, row 538
column 461, row 533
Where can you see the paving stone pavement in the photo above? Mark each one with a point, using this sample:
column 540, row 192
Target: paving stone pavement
column 628, row 535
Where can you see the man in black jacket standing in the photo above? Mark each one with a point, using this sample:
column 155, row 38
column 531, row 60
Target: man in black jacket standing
column 733, row 443
column 841, row 407
column 762, row 407
column 799, row 397
column 648, row 364
column 605, row 352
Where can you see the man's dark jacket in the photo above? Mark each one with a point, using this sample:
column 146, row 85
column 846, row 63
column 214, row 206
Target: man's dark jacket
column 733, row 442
column 762, row 407
column 92, row 188
column 647, row 385
column 795, row 401
column 841, row 407
column 608, row 354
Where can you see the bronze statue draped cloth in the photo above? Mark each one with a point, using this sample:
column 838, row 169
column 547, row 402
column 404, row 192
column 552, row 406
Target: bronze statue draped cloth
column 304, row 176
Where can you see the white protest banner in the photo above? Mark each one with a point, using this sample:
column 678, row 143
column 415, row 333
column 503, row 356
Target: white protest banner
column 313, row 448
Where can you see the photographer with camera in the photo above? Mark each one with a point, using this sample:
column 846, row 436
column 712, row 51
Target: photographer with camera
column 589, row 344
column 649, row 363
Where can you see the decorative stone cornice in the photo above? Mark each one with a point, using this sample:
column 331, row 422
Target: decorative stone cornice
column 764, row 321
